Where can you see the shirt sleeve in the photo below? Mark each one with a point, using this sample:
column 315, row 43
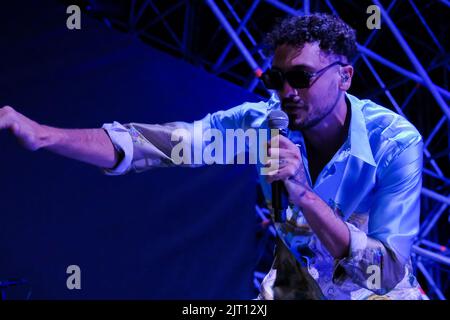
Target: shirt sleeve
column 122, row 142
column 377, row 260
column 147, row 146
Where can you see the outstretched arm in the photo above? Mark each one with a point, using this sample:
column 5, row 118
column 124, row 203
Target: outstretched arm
column 92, row 146
column 118, row 148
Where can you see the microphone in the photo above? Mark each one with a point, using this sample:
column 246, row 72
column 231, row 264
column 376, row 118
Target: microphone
column 277, row 119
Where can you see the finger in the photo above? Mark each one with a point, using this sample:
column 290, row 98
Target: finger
column 6, row 117
column 274, row 163
column 283, row 142
column 15, row 128
column 274, row 141
column 271, row 144
column 274, row 153
column 271, row 176
column 280, row 174
column 288, row 144
column 282, row 158
column 5, row 122
column 278, row 163
column 287, row 153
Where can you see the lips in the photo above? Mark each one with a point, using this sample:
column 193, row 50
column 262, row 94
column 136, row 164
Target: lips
column 294, row 107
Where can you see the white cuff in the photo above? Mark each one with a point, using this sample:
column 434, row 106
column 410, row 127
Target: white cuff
column 122, row 141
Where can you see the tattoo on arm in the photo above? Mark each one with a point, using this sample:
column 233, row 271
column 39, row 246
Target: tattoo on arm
column 299, row 177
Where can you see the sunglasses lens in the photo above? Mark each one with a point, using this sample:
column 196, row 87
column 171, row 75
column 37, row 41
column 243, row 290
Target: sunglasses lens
column 272, row 79
column 297, row 79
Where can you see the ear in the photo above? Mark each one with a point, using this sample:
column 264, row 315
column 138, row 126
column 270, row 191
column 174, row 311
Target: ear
column 346, row 77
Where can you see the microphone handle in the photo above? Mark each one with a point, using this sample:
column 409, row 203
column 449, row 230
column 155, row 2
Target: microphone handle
column 279, row 194
column 279, row 201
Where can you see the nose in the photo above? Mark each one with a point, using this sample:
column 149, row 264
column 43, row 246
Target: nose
column 287, row 91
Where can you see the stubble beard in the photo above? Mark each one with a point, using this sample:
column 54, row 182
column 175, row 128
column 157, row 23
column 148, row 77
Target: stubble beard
column 313, row 120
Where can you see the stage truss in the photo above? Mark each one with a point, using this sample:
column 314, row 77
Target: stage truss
column 403, row 65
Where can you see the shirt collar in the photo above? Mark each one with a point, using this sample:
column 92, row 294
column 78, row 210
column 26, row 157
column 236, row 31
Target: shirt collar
column 358, row 136
column 359, row 139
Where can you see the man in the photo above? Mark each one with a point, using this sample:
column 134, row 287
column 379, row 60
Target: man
column 351, row 168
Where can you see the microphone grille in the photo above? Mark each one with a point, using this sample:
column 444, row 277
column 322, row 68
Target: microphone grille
column 278, row 119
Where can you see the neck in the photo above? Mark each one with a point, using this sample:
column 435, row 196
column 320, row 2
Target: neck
column 328, row 135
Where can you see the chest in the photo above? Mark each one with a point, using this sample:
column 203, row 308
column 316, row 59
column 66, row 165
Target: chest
column 341, row 181
column 316, row 164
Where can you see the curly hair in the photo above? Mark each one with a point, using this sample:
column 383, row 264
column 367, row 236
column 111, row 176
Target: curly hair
column 333, row 35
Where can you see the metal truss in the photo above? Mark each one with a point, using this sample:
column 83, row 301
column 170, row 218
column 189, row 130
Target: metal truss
column 404, row 65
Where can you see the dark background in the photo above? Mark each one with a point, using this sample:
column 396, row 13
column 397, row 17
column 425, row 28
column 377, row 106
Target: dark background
column 165, row 234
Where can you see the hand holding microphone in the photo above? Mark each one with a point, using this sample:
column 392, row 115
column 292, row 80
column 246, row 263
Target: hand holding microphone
column 289, row 182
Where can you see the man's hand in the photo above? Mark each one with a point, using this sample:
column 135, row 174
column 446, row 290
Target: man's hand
column 29, row 133
column 330, row 228
column 92, row 146
column 290, row 168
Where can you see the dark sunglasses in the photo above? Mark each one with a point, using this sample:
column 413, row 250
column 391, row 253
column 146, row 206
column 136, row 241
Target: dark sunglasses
column 274, row 78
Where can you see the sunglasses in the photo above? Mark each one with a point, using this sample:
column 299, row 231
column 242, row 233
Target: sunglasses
column 274, row 78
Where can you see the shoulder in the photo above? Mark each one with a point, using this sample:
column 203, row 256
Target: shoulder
column 389, row 133
column 246, row 115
